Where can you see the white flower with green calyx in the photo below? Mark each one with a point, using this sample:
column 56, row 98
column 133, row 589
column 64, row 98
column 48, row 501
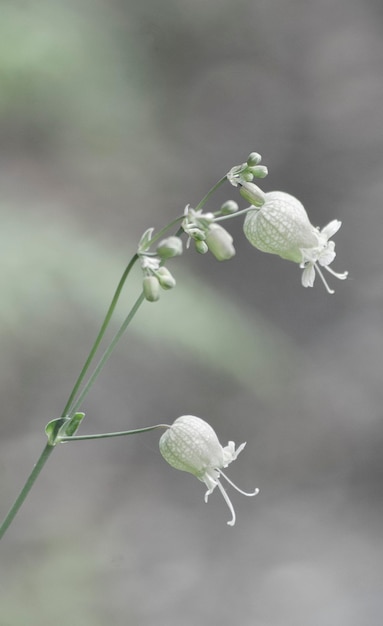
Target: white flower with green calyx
column 191, row 445
column 281, row 226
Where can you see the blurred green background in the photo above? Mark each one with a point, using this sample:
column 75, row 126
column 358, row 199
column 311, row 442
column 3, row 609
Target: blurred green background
column 113, row 116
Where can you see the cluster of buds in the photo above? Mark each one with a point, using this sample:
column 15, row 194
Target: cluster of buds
column 156, row 276
column 246, row 172
column 207, row 234
column 190, row 444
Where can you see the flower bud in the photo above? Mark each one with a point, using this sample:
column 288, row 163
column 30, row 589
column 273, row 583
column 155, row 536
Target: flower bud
column 253, row 159
column 165, row 278
column 259, row 171
column 151, row 288
column 197, row 234
column 229, row 207
column 169, row 247
column 252, row 193
column 246, row 176
column 201, row 246
column 220, row 242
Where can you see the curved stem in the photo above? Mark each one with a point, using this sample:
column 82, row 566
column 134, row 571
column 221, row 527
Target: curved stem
column 26, row 489
column 210, row 193
column 242, row 212
column 115, row 434
column 99, row 336
column 73, row 405
column 162, row 232
column 71, row 408
column 107, row 354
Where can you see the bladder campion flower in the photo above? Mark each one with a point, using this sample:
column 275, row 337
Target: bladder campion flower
column 281, row 226
column 191, row 445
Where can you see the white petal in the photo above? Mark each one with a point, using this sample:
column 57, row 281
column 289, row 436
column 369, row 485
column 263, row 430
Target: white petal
column 331, row 228
column 308, row 275
column 327, row 255
column 230, row 453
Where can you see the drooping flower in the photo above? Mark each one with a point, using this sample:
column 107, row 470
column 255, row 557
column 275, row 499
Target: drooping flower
column 281, row 226
column 190, row 444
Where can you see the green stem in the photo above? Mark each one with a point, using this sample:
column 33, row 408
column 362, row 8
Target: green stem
column 210, row 193
column 107, row 354
column 26, row 489
column 162, row 232
column 242, row 212
column 99, row 336
column 73, row 405
column 116, row 434
column 71, row 408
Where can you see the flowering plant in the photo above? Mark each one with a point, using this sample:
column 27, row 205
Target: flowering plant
column 276, row 223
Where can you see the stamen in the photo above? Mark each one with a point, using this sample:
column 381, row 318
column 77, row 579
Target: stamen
column 323, row 278
column 229, row 504
column 244, row 493
column 341, row 276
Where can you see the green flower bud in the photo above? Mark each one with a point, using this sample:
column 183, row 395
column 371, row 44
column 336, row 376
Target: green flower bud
column 197, row 234
column 220, row 242
column 252, row 193
column 165, row 278
column 254, row 158
column 169, row 247
column 151, row 288
column 201, row 247
column 229, row 207
column 246, row 176
column 259, row 171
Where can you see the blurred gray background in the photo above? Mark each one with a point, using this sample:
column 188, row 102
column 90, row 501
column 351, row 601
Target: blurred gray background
column 113, row 116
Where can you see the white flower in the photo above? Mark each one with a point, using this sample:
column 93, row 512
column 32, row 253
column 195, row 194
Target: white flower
column 281, row 226
column 191, row 445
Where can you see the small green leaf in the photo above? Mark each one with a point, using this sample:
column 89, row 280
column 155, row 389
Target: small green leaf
column 53, row 428
column 68, row 429
column 145, row 240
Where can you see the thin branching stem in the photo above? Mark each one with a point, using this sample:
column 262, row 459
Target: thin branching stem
column 75, row 398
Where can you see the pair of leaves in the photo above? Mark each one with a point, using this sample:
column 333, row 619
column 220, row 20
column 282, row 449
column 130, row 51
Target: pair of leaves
column 63, row 427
